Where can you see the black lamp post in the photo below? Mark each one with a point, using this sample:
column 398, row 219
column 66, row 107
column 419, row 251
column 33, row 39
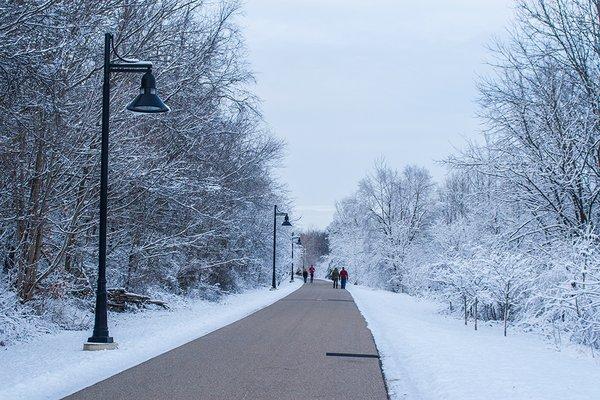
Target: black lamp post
column 146, row 102
column 286, row 222
column 298, row 242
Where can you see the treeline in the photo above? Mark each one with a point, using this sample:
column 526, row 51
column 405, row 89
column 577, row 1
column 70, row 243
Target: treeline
column 512, row 233
column 315, row 245
column 190, row 192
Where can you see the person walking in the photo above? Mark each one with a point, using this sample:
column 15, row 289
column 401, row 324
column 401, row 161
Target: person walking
column 343, row 277
column 305, row 274
column 335, row 277
column 311, row 270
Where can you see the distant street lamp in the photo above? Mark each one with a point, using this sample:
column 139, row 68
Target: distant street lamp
column 299, row 243
column 286, row 222
column 146, row 102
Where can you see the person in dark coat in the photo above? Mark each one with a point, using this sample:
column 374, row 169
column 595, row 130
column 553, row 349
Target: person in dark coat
column 335, row 277
column 311, row 271
column 343, row 277
column 305, row 274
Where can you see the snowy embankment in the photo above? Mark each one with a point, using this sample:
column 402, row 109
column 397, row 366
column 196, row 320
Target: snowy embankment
column 54, row 366
column 429, row 356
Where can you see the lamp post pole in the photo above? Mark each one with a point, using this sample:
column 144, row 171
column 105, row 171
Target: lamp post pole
column 298, row 243
column 100, row 334
column 273, row 283
column 286, row 222
column 146, row 102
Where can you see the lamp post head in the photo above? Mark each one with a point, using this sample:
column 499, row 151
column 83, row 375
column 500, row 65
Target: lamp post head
column 148, row 101
column 286, row 221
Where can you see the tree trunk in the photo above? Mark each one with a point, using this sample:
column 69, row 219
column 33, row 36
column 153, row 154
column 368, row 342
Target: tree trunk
column 34, row 231
column 506, row 306
column 475, row 313
column 465, row 306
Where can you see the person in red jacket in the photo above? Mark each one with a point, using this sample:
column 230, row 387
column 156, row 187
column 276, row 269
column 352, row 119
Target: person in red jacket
column 343, row 277
column 311, row 270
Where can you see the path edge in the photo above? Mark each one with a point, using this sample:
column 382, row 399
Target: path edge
column 385, row 381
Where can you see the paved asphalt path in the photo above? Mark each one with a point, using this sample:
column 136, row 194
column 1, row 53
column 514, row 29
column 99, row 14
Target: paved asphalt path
column 278, row 352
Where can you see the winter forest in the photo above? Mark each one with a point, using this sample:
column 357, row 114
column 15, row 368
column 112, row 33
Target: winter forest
column 511, row 234
column 190, row 194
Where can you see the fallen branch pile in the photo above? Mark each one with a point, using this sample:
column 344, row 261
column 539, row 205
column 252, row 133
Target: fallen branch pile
column 119, row 300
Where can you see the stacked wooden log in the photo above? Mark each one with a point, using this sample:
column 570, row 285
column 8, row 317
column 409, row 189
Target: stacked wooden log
column 121, row 300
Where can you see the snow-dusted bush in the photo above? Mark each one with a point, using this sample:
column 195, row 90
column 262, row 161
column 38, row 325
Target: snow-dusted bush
column 18, row 321
column 566, row 299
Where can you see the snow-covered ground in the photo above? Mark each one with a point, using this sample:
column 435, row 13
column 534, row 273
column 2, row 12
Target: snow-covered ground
column 53, row 366
column 428, row 356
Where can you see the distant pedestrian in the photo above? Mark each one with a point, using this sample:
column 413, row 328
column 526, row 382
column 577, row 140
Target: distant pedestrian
column 343, row 277
column 335, row 277
column 305, row 274
column 311, row 270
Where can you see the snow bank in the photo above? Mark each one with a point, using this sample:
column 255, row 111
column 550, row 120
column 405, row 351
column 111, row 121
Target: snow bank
column 426, row 355
column 54, row 365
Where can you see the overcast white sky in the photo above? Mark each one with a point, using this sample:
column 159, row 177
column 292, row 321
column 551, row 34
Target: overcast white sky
column 348, row 81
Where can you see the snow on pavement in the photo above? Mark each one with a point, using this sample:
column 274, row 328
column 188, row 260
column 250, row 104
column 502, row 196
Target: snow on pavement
column 429, row 356
column 53, row 366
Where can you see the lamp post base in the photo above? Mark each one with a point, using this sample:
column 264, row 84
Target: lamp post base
column 91, row 346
